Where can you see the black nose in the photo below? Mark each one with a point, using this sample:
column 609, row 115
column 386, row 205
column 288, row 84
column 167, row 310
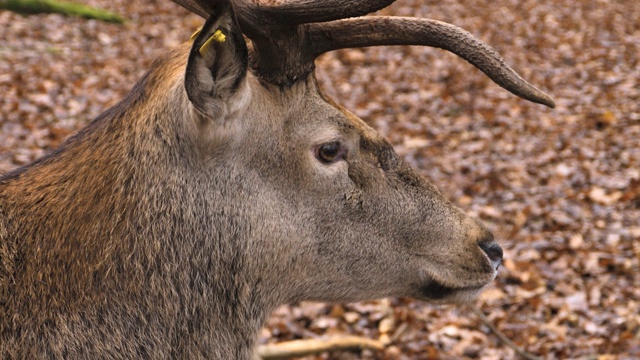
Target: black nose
column 493, row 251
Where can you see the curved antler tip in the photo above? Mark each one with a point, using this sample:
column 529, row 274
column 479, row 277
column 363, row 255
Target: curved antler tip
column 519, row 87
column 544, row 99
column 551, row 103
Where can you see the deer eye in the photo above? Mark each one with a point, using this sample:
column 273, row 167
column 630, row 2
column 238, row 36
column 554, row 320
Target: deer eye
column 330, row 152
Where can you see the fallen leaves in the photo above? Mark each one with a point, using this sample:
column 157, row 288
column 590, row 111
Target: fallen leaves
column 560, row 188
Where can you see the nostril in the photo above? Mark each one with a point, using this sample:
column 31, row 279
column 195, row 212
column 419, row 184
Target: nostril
column 492, row 249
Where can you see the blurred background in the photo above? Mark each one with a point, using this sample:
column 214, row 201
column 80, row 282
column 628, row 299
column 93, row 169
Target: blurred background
column 560, row 188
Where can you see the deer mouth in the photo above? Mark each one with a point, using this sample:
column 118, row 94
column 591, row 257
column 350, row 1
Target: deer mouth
column 436, row 292
column 441, row 294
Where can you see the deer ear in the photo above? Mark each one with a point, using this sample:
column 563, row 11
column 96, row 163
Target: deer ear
column 218, row 60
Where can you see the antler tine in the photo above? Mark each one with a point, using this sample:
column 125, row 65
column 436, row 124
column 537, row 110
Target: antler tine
column 295, row 12
column 202, row 7
column 387, row 30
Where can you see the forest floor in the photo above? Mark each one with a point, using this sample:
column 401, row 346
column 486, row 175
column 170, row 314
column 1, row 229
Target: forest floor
column 560, row 188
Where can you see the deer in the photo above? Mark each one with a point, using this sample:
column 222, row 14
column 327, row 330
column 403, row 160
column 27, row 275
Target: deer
column 226, row 184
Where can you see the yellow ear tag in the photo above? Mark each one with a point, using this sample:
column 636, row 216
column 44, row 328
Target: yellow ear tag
column 195, row 35
column 217, row 36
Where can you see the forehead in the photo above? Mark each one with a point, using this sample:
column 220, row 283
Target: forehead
column 338, row 117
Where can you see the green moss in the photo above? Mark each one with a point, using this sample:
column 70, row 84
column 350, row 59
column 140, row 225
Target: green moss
column 60, row 7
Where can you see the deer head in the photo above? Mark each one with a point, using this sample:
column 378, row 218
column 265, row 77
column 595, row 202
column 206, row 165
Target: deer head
column 226, row 184
column 367, row 204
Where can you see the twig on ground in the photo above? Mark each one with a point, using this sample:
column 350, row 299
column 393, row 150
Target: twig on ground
column 297, row 348
column 501, row 335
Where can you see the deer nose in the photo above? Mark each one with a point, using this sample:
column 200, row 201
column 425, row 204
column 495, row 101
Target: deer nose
column 493, row 251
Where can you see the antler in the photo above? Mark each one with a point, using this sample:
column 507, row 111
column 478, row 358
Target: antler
column 388, row 30
column 287, row 37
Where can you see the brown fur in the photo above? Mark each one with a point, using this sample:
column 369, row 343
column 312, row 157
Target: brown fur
column 160, row 231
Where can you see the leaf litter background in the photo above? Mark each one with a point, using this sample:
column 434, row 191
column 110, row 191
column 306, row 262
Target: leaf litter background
column 560, row 188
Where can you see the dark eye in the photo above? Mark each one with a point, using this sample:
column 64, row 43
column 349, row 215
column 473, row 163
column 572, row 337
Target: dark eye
column 329, row 152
